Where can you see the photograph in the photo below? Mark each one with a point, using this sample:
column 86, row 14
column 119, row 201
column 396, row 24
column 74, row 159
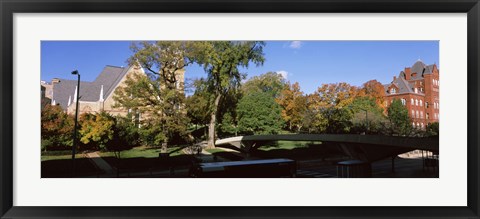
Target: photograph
column 240, row 109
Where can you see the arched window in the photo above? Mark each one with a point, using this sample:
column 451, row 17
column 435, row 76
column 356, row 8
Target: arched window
column 413, row 124
column 418, row 124
column 416, row 102
column 413, row 113
column 427, row 115
column 411, row 100
column 421, row 114
column 404, row 101
column 421, row 124
column 421, row 103
column 426, row 104
column 416, row 113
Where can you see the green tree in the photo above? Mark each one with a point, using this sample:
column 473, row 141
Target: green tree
column 398, row 118
column 221, row 60
column 433, row 129
column 159, row 95
column 270, row 82
column 367, row 115
column 258, row 113
column 56, row 128
column 229, row 125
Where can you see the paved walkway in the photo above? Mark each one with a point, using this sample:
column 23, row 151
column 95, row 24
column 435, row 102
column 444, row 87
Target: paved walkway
column 100, row 163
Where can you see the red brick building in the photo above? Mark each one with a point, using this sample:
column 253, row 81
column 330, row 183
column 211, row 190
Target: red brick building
column 418, row 89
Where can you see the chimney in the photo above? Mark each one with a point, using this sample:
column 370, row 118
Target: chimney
column 55, row 81
column 408, row 73
column 394, row 78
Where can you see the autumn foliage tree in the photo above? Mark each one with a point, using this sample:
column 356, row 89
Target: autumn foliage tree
column 328, row 108
column 375, row 90
column 96, row 130
column 294, row 105
column 56, row 129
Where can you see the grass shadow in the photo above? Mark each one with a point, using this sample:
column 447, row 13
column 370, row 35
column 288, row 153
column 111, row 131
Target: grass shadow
column 63, row 168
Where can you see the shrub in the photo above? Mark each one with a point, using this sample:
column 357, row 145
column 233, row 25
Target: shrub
column 56, row 129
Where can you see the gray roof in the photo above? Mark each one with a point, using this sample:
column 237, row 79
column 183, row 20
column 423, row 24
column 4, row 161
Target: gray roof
column 420, row 68
column 405, row 86
column 402, row 85
column 89, row 91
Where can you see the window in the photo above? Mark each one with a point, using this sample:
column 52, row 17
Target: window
column 416, row 90
column 418, row 124
column 416, row 113
column 393, row 90
column 421, row 124
column 416, row 102
column 426, row 104
column 435, row 115
column 413, row 124
column 404, row 102
column 427, row 115
column 421, row 114
column 421, row 103
column 413, row 113
column 411, row 100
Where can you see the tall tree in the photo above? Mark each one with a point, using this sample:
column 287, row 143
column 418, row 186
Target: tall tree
column 294, row 105
column 258, row 113
column 221, row 60
column 159, row 94
column 198, row 104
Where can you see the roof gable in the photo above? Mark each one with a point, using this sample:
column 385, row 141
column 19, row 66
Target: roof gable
column 89, row 91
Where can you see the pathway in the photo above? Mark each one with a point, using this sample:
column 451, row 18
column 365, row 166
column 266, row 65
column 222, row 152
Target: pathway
column 100, row 163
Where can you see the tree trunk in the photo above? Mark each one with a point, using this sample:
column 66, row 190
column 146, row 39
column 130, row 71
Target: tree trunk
column 211, row 125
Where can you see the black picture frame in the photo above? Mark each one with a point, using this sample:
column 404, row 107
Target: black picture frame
column 9, row 7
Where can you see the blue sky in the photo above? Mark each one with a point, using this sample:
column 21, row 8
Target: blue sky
column 311, row 63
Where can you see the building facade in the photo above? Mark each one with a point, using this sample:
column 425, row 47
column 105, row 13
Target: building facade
column 418, row 89
column 95, row 96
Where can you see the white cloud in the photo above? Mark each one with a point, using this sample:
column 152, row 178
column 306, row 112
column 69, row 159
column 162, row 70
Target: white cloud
column 284, row 74
column 295, row 44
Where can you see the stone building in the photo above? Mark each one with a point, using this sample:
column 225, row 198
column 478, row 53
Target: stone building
column 95, row 96
column 418, row 89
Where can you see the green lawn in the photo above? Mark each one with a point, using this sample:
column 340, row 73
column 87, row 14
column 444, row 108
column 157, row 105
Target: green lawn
column 214, row 150
column 289, row 145
column 142, row 151
column 54, row 156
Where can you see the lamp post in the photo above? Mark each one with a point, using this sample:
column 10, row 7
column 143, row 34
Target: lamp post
column 76, row 122
column 366, row 119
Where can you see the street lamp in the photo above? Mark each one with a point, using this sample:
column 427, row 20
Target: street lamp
column 366, row 119
column 76, row 122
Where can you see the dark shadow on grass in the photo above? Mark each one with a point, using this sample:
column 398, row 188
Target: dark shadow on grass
column 141, row 164
column 63, row 168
